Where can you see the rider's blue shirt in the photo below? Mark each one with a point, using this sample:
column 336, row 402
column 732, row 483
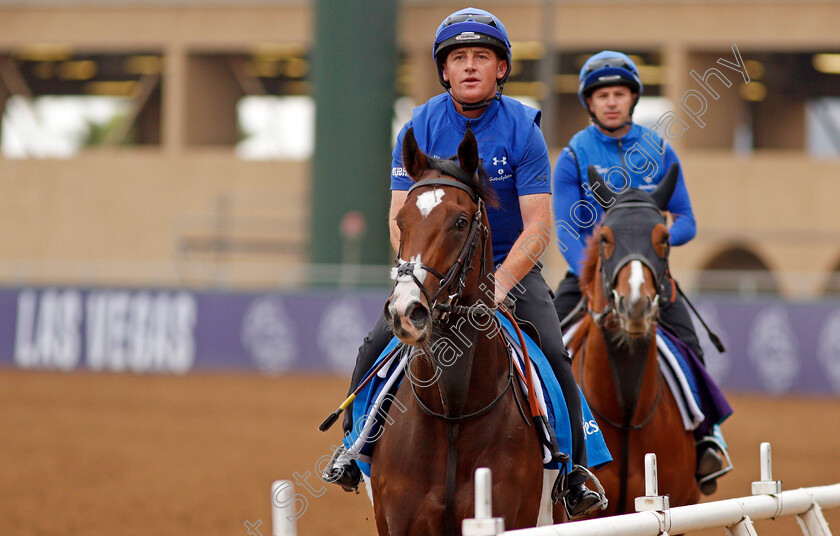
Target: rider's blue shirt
column 510, row 145
column 642, row 154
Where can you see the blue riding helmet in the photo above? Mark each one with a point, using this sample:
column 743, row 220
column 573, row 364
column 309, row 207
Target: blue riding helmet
column 608, row 68
column 471, row 27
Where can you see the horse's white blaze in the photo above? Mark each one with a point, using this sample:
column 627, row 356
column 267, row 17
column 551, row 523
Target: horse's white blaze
column 637, row 279
column 429, row 200
column 406, row 290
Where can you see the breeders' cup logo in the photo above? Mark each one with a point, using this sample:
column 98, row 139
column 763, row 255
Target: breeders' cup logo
column 268, row 335
column 340, row 332
column 773, row 349
column 828, row 349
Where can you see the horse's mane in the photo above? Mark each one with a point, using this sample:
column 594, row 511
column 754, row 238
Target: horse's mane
column 588, row 275
column 478, row 183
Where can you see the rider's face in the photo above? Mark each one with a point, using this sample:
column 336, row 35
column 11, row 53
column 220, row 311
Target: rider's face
column 472, row 73
column 611, row 105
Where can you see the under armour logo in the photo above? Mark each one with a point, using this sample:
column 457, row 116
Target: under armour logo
column 502, row 161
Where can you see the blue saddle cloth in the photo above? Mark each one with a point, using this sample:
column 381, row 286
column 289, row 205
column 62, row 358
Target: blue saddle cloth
column 707, row 394
column 596, row 449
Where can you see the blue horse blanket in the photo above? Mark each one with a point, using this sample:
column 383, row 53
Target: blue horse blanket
column 370, row 408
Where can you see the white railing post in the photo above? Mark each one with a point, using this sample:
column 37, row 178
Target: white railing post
column 766, row 486
column 282, row 494
column 813, row 523
column 652, row 501
column 744, row 527
column 484, row 524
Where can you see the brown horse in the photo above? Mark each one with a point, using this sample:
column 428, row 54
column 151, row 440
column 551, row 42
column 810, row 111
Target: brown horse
column 615, row 350
column 463, row 405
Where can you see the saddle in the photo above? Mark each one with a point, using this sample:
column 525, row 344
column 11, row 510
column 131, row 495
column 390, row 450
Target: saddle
column 371, row 405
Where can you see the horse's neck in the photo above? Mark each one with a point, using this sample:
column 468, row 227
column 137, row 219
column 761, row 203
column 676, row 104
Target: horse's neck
column 462, row 341
column 627, row 369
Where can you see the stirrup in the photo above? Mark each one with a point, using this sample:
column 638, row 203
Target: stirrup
column 720, row 466
column 342, row 470
column 561, row 489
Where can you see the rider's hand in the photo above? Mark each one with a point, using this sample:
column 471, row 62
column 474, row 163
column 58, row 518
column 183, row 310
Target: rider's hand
column 500, row 294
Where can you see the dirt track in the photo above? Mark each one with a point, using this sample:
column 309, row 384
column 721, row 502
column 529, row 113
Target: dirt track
column 98, row 455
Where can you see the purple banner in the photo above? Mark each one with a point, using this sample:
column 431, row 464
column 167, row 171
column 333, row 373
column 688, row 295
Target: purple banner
column 772, row 346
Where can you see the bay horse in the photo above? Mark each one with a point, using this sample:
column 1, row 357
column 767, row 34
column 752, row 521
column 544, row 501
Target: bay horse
column 463, row 405
column 615, row 351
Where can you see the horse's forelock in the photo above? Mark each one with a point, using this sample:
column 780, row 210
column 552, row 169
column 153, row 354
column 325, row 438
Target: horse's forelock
column 478, row 183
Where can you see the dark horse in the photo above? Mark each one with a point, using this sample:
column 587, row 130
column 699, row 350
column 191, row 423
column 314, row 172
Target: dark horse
column 615, row 350
column 463, row 403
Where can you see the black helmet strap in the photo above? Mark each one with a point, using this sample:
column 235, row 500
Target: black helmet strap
column 470, row 106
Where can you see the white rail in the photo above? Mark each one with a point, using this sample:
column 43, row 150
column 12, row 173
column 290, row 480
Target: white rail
column 282, row 494
column 654, row 518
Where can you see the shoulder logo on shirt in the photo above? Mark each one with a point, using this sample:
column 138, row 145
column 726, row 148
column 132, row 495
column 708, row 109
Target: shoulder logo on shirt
column 398, row 172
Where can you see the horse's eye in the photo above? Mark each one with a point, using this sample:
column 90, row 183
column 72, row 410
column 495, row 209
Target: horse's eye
column 461, row 223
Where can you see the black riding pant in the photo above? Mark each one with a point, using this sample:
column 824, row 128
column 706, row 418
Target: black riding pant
column 532, row 304
column 371, row 347
column 672, row 314
column 568, row 295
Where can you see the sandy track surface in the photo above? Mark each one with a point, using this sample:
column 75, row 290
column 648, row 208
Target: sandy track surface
column 104, row 454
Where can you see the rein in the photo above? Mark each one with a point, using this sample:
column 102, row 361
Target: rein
column 430, row 412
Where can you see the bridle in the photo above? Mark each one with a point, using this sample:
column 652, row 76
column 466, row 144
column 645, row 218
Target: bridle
column 452, row 283
column 627, row 388
column 610, row 267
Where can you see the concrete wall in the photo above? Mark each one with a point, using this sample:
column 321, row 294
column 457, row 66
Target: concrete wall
column 148, row 216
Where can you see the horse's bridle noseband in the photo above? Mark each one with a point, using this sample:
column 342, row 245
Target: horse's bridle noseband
column 452, row 284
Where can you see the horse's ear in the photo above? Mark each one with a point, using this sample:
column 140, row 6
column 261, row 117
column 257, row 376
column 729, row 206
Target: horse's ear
column 662, row 194
column 468, row 153
column 597, row 183
column 414, row 161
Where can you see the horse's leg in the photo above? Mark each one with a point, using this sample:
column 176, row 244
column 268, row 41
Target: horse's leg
column 515, row 459
column 405, row 481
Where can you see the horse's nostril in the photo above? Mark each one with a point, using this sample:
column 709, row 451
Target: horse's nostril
column 418, row 315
